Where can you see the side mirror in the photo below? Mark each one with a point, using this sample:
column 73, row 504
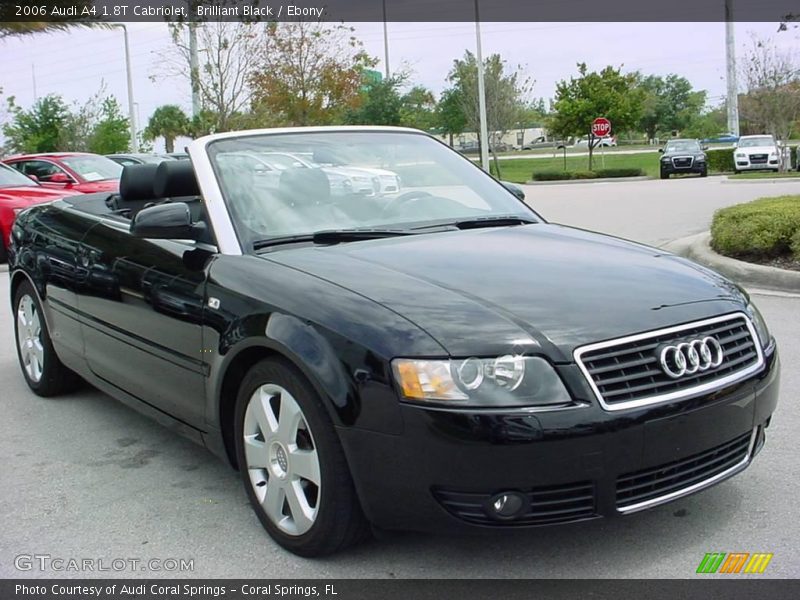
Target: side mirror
column 705, row 148
column 58, row 177
column 33, row 177
column 661, row 151
column 514, row 189
column 171, row 221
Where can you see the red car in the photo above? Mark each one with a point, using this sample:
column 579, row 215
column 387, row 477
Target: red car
column 17, row 193
column 78, row 171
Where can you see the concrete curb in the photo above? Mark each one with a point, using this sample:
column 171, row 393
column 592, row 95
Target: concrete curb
column 697, row 248
column 599, row 180
column 763, row 180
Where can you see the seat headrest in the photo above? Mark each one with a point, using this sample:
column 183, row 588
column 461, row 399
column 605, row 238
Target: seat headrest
column 174, row 179
column 136, row 182
column 305, row 186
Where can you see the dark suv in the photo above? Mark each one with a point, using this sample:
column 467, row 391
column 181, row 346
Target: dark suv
column 683, row 156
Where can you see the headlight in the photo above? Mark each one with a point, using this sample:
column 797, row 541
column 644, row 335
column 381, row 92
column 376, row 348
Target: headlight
column 701, row 158
column 760, row 324
column 741, row 155
column 481, row 382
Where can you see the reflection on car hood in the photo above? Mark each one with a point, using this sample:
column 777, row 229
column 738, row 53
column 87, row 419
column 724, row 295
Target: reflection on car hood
column 489, row 291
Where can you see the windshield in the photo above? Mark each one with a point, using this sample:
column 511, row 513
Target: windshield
column 93, row 168
column 300, row 183
column 756, row 141
column 683, row 146
column 12, row 178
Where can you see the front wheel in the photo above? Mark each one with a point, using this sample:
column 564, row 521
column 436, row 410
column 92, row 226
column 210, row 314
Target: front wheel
column 43, row 371
column 704, row 173
column 664, row 174
column 292, row 463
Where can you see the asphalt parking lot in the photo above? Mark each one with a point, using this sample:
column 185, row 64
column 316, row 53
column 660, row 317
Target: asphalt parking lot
column 85, row 477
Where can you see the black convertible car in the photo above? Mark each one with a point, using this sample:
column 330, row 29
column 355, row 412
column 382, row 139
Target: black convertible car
column 439, row 357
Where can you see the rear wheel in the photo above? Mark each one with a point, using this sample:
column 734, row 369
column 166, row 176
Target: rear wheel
column 43, row 371
column 292, row 464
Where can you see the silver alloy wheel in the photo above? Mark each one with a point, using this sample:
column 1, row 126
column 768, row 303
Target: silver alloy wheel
column 29, row 338
column 282, row 459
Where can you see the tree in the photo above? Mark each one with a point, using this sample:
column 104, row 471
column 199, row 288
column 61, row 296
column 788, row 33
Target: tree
column 112, row 131
column 11, row 28
column 381, row 104
column 37, row 129
column 506, row 93
column 309, row 72
column 450, row 114
column 669, row 104
column 608, row 94
column 418, row 108
column 169, row 122
column 227, row 57
column 772, row 79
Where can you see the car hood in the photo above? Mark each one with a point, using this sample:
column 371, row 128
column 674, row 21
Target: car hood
column 694, row 153
column 32, row 194
column 538, row 287
column 757, row 149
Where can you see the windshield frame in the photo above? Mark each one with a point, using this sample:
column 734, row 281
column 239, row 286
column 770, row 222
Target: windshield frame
column 698, row 147
column 230, row 237
column 756, row 142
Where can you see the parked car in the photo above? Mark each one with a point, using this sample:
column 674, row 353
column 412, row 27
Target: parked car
column 683, row 156
column 756, row 153
column 17, row 193
column 76, row 171
column 441, row 359
column 605, row 141
column 139, row 159
column 722, row 138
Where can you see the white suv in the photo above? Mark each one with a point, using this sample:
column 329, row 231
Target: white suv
column 756, row 152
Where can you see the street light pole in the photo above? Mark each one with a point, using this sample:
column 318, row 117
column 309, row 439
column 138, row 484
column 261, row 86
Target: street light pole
column 484, row 133
column 131, row 104
column 385, row 40
column 730, row 60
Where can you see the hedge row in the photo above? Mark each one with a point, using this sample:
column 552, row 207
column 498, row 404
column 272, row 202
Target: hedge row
column 765, row 228
column 596, row 174
column 720, row 160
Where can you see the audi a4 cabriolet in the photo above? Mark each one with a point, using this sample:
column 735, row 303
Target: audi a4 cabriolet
column 437, row 358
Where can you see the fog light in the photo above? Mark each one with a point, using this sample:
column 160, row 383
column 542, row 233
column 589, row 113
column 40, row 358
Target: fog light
column 507, row 505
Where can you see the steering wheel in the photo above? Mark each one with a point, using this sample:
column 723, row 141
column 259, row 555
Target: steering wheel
column 403, row 199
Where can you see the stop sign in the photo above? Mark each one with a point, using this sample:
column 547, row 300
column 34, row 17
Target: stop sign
column 601, row 127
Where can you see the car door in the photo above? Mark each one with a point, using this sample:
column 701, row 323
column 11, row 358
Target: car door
column 143, row 301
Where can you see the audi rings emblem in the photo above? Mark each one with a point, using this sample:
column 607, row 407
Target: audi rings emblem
column 690, row 357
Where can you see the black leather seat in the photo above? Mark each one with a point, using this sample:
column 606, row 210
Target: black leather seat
column 135, row 189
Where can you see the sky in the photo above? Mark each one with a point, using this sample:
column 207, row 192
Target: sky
column 74, row 64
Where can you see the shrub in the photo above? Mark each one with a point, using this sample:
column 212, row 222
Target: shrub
column 764, row 228
column 620, row 172
column 567, row 175
column 720, row 160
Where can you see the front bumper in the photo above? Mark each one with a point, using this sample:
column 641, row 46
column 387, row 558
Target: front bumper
column 446, row 468
column 744, row 164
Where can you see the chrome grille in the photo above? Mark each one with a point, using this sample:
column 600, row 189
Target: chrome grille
column 655, row 483
column 758, row 159
column 626, row 373
column 682, row 162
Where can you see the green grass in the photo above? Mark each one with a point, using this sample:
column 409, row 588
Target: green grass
column 762, row 175
column 520, row 170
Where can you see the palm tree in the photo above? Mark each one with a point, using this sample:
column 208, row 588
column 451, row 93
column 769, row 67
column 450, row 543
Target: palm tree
column 168, row 121
column 12, row 28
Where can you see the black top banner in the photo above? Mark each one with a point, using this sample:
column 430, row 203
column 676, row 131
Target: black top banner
column 778, row 11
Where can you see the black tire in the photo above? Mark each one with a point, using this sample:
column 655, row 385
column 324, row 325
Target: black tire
column 55, row 378
column 339, row 520
column 736, row 171
column 704, row 173
column 664, row 174
column 3, row 251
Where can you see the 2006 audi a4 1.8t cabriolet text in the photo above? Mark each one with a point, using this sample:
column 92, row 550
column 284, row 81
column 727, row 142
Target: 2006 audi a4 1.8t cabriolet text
column 439, row 357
